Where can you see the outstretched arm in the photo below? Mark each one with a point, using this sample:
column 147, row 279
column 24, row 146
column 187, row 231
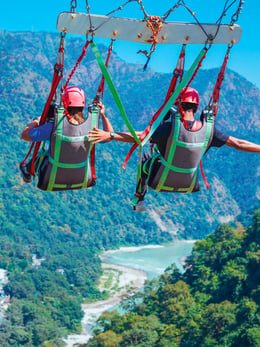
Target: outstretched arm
column 98, row 135
column 243, row 145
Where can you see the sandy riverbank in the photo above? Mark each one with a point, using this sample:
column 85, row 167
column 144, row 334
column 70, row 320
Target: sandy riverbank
column 130, row 281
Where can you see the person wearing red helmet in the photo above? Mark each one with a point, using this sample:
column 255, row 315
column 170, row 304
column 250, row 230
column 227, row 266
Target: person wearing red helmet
column 74, row 101
column 184, row 147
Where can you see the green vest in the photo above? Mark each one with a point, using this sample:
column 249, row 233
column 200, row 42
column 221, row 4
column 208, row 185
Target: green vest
column 67, row 164
column 178, row 169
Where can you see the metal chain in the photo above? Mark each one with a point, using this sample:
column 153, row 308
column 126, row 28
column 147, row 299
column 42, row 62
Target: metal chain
column 73, row 5
column 235, row 16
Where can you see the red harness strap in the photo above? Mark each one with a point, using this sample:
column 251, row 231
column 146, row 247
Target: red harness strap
column 57, row 76
column 102, row 82
column 203, row 175
column 83, row 53
column 56, row 81
column 177, row 74
column 100, row 91
column 214, row 99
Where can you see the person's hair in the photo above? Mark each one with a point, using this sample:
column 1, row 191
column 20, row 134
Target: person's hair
column 189, row 106
column 76, row 113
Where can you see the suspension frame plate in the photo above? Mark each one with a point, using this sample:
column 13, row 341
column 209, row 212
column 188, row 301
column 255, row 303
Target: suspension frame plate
column 135, row 30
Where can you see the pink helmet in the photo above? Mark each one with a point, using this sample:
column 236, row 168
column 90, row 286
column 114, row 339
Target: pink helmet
column 74, row 96
column 189, row 95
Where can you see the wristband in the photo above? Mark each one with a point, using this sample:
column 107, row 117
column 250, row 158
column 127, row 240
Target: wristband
column 112, row 135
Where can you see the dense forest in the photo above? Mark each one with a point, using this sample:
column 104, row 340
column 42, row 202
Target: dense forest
column 215, row 302
column 27, row 65
column 50, row 242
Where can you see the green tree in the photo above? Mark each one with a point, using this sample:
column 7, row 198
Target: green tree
column 218, row 321
column 106, row 339
column 140, row 337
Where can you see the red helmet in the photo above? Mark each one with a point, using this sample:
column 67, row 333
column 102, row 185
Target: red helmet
column 74, row 96
column 189, row 95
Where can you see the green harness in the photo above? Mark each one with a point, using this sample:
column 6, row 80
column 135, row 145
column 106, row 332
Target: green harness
column 174, row 145
column 55, row 160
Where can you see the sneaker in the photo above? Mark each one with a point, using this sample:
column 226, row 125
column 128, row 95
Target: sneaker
column 139, row 207
column 25, row 173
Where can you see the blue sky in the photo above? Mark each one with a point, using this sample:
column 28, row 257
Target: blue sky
column 34, row 15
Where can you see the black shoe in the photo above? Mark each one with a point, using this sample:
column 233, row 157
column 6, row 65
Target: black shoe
column 27, row 177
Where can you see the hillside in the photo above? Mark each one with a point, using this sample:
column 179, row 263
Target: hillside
column 215, row 302
column 65, row 231
column 26, row 63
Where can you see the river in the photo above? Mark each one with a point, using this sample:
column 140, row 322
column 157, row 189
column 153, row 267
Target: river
column 151, row 259
column 137, row 264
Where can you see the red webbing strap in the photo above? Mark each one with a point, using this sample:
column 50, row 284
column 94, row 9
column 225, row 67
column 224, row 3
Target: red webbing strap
column 188, row 84
column 214, row 100
column 83, row 53
column 102, row 82
column 177, row 74
column 58, row 72
column 92, row 161
column 100, row 91
column 56, row 81
column 203, row 175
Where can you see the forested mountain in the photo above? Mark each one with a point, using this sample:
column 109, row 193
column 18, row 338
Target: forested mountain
column 27, row 61
column 215, row 302
column 68, row 229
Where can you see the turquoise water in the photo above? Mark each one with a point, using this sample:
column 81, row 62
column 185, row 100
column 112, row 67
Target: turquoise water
column 152, row 260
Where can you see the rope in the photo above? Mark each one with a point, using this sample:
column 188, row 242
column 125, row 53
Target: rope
column 179, row 3
column 155, row 24
column 109, row 14
column 227, row 6
column 177, row 74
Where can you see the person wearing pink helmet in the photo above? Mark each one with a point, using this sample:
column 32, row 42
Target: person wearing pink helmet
column 74, row 101
column 190, row 131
